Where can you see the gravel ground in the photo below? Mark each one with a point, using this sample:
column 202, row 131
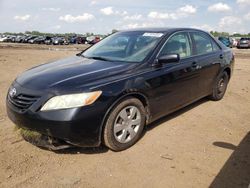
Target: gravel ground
column 203, row 145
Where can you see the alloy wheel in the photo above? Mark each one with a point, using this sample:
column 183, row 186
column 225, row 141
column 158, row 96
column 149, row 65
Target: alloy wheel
column 127, row 124
column 221, row 85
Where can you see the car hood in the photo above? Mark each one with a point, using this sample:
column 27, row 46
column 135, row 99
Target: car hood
column 73, row 72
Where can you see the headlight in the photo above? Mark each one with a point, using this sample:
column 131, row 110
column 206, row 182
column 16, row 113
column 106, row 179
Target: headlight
column 71, row 101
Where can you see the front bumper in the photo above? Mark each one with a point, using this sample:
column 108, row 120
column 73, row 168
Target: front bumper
column 44, row 141
column 77, row 126
column 67, row 125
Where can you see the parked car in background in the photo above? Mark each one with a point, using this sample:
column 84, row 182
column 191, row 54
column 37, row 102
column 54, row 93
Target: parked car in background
column 3, row 38
column 108, row 93
column 32, row 40
column 48, row 40
column 81, row 40
column 39, row 40
column 235, row 42
column 6, row 38
column 9, row 38
column 20, row 38
column 244, row 43
column 29, row 39
column 60, row 41
column 227, row 41
column 94, row 41
column 90, row 38
column 77, row 40
column 72, row 39
column 57, row 40
column 13, row 38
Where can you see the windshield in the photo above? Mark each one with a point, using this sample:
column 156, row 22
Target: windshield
column 125, row 46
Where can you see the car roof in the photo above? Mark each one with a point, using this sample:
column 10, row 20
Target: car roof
column 162, row 29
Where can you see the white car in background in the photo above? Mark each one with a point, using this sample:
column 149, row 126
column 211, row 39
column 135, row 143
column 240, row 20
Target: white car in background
column 3, row 38
column 235, row 42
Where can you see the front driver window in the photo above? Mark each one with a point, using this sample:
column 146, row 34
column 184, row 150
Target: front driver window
column 177, row 44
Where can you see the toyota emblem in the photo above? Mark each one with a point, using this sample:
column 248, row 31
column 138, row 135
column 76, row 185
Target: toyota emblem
column 12, row 92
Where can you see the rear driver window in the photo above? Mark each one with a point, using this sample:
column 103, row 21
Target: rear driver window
column 203, row 43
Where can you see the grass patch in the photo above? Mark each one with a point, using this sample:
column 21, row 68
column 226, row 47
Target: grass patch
column 28, row 135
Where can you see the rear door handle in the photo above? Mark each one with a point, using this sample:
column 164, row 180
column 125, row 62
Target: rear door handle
column 194, row 64
column 221, row 56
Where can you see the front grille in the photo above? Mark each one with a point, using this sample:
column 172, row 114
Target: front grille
column 22, row 101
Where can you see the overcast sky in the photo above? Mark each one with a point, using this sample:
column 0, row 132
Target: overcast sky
column 101, row 16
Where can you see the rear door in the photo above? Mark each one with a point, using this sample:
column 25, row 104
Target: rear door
column 208, row 57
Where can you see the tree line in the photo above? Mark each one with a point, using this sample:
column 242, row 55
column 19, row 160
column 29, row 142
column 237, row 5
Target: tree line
column 214, row 33
column 217, row 34
column 38, row 33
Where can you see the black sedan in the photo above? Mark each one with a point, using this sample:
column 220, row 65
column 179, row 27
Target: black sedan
column 108, row 93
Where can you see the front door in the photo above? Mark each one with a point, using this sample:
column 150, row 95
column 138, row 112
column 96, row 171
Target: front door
column 175, row 84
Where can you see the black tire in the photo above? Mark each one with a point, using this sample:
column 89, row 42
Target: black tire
column 110, row 138
column 220, row 87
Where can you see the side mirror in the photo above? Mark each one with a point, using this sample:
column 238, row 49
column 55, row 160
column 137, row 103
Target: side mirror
column 170, row 58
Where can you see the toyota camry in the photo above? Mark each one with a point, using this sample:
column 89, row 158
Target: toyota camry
column 109, row 92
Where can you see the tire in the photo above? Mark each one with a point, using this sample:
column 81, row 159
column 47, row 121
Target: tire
column 220, row 87
column 121, row 131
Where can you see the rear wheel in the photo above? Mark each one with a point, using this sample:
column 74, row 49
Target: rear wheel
column 124, row 125
column 220, row 87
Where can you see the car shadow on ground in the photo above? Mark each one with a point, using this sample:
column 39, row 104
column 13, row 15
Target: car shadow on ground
column 103, row 149
column 236, row 170
column 79, row 150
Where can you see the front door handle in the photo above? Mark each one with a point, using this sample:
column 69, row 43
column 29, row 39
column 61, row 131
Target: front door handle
column 196, row 66
column 221, row 56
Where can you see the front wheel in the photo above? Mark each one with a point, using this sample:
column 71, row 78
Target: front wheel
column 220, row 87
column 124, row 125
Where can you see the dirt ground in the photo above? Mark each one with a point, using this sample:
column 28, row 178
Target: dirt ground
column 206, row 144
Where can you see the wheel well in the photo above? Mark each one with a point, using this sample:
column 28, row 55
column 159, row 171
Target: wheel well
column 228, row 71
column 145, row 103
column 140, row 97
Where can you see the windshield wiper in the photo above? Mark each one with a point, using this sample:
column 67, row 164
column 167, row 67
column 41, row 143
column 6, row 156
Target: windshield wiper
column 80, row 54
column 95, row 57
column 99, row 58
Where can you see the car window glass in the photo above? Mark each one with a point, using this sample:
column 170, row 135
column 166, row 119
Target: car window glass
column 119, row 43
column 141, row 47
column 125, row 46
column 177, row 44
column 202, row 43
column 215, row 46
